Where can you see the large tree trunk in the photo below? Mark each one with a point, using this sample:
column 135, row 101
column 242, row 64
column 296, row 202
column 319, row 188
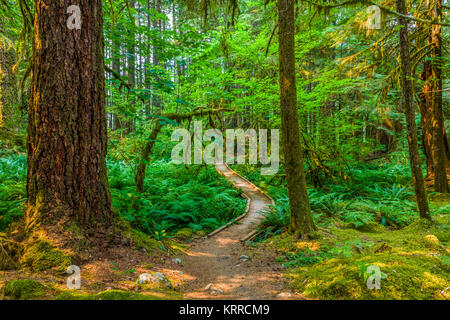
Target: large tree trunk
column 419, row 186
column 301, row 220
column 426, row 119
column 434, row 138
column 67, row 139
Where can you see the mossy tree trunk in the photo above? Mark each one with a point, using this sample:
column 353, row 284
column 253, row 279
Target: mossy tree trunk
column 407, row 89
column 439, row 152
column 8, row 88
column 434, row 138
column 301, row 220
column 67, row 141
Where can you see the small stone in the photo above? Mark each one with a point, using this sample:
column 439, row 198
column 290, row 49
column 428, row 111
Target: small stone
column 208, row 287
column 284, row 295
column 244, row 257
column 176, row 260
column 216, row 291
column 156, row 277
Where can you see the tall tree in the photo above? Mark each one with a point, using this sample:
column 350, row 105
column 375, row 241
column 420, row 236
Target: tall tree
column 407, row 89
column 131, row 60
column 8, row 91
column 439, row 144
column 67, row 141
column 434, row 138
column 302, row 223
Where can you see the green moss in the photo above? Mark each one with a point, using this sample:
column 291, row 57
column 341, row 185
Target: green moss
column 42, row 256
column 106, row 295
column 26, row 289
column 414, row 259
column 137, row 238
column 143, row 241
column 184, row 234
column 10, row 252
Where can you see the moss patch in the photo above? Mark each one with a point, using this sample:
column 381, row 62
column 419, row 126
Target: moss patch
column 106, row 295
column 42, row 256
column 414, row 262
column 184, row 234
column 26, row 289
column 10, row 252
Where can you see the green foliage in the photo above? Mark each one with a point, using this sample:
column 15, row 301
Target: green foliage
column 174, row 198
column 12, row 189
column 379, row 192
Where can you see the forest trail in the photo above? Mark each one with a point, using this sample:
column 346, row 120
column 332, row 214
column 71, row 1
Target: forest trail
column 217, row 259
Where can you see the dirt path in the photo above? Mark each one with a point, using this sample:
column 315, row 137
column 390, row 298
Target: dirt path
column 216, row 260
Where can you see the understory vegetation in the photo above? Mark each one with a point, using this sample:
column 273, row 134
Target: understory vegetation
column 379, row 192
column 370, row 220
column 174, row 198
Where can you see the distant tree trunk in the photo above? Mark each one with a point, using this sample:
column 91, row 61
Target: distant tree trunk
column 156, row 103
column 419, row 186
column 116, row 67
column 139, row 177
column 301, row 219
column 67, row 139
column 8, row 90
column 131, row 67
column 439, row 154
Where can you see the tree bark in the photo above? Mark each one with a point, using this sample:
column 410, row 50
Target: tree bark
column 301, row 219
column 434, row 138
column 439, row 154
column 426, row 119
column 131, row 59
column 419, row 186
column 67, row 141
column 116, row 67
column 8, row 90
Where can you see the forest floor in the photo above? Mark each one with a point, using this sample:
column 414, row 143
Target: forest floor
column 215, row 267
column 222, row 267
column 415, row 262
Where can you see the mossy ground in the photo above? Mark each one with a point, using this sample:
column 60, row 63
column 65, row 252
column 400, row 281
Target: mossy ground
column 110, row 274
column 40, row 255
column 10, row 252
column 27, row 289
column 415, row 261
